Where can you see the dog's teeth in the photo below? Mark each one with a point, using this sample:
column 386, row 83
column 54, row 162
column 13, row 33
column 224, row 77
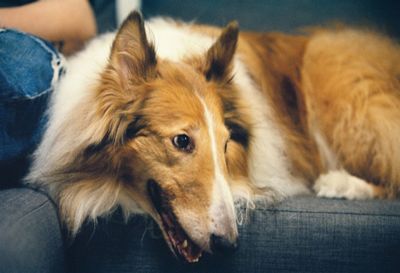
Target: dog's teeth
column 185, row 244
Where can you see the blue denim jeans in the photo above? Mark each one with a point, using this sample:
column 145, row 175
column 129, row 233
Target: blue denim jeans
column 29, row 69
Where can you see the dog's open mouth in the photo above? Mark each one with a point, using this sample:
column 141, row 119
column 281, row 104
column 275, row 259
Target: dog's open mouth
column 180, row 242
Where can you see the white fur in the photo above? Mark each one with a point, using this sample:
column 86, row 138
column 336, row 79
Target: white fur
column 174, row 42
column 328, row 157
column 73, row 92
column 222, row 209
column 340, row 184
column 268, row 165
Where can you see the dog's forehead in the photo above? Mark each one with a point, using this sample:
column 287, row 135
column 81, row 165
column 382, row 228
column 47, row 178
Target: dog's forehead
column 180, row 73
column 182, row 94
column 176, row 106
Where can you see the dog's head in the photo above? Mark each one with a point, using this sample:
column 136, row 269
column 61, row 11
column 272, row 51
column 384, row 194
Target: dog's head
column 169, row 146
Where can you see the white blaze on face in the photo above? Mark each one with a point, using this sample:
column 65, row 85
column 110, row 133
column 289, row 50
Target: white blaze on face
column 222, row 211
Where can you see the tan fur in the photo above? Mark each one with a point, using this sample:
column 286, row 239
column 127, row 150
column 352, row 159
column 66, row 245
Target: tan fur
column 352, row 89
column 342, row 85
column 275, row 60
column 346, row 83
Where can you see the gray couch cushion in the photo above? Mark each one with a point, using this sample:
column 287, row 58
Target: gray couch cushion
column 30, row 237
column 299, row 235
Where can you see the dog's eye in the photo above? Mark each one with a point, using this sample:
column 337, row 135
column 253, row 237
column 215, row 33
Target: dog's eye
column 183, row 142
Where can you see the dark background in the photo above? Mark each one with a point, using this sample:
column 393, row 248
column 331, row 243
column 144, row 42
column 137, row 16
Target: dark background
column 282, row 15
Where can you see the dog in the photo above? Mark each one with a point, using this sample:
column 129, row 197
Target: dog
column 180, row 121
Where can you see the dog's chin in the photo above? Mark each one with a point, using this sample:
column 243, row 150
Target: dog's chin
column 178, row 240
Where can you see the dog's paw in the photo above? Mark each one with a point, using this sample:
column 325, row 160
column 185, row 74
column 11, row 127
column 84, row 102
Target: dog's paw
column 340, row 184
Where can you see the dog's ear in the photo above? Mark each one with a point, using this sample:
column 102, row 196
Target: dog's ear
column 132, row 56
column 132, row 63
column 219, row 57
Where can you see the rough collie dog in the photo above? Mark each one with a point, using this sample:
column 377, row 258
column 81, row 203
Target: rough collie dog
column 179, row 121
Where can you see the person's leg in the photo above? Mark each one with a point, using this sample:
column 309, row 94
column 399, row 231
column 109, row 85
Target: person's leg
column 29, row 69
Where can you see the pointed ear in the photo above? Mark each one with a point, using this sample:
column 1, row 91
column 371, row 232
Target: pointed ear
column 219, row 56
column 132, row 56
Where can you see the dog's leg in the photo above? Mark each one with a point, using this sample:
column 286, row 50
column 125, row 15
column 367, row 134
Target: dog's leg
column 352, row 86
column 341, row 184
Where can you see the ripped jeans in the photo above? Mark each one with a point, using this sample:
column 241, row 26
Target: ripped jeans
column 29, row 69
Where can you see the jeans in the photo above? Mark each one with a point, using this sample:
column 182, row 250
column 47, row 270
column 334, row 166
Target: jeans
column 29, row 69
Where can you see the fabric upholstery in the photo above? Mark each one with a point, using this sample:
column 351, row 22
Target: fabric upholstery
column 30, row 237
column 298, row 235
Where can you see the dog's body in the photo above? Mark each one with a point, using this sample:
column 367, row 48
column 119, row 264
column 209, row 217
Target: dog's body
column 150, row 133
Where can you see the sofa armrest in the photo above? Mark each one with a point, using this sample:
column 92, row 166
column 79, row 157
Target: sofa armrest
column 30, row 237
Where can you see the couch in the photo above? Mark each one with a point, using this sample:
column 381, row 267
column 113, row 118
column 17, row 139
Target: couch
column 302, row 234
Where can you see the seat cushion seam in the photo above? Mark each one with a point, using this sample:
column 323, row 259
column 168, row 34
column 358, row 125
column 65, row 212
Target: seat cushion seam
column 328, row 212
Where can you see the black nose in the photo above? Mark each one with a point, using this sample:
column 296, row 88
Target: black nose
column 221, row 245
